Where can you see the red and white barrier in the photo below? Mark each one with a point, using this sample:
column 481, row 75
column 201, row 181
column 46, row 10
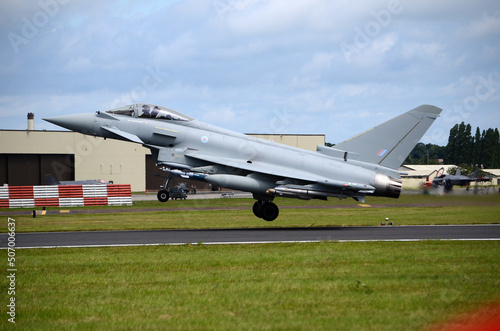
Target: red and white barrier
column 65, row 196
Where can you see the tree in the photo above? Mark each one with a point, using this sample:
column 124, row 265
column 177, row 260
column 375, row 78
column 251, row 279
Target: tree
column 451, row 147
column 481, row 150
column 467, row 144
column 426, row 154
column 462, row 144
column 435, row 153
column 496, row 163
column 490, row 141
column 477, row 148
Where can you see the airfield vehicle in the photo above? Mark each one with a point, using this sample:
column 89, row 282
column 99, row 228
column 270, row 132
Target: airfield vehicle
column 174, row 193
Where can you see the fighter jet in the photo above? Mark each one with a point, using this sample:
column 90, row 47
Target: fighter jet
column 53, row 181
column 363, row 165
column 448, row 181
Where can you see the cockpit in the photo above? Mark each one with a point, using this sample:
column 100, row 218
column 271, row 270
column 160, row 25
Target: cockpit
column 144, row 110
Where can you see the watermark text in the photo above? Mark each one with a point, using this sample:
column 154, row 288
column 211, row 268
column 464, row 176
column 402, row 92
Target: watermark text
column 11, row 270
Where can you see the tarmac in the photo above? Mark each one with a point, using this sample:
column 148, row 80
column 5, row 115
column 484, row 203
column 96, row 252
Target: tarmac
column 253, row 236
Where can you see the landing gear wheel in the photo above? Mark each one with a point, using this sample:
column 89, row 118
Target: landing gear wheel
column 448, row 187
column 163, row 196
column 269, row 211
column 257, row 208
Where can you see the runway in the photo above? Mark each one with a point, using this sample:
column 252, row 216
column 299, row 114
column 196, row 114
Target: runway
column 249, row 236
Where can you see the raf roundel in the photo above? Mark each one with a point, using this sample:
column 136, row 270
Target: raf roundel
column 204, row 139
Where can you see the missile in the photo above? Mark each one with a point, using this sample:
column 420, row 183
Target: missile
column 296, row 193
column 185, row 174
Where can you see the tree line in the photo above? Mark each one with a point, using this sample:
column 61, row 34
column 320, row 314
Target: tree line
column 463, row 149
column 481, row 150
column 426, row 154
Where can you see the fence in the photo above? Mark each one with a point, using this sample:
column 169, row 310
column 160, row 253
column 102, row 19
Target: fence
column 65, row 196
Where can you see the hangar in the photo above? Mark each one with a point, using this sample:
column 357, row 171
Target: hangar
column 27, row 155
column 418, row 174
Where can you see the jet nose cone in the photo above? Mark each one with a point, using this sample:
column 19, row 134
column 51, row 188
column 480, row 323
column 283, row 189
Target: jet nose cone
column 83, row 123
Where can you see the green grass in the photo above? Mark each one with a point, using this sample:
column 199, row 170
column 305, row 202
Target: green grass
column 328, row 285
column 236, row 213
column 322, row 286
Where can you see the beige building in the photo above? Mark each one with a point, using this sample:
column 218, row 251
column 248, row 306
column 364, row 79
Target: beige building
column 26, row 156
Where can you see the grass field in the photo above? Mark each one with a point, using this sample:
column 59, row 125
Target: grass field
column 237, row 213
column 322, row 286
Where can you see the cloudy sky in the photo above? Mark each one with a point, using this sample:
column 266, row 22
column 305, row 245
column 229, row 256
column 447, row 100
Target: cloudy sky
column 254, row 66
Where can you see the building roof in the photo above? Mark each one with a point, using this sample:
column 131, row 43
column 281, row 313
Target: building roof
column 494, row 172
column 423, row 170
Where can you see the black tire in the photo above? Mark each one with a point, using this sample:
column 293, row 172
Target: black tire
column 163, row 196
column 257, row 208
column 270, row 211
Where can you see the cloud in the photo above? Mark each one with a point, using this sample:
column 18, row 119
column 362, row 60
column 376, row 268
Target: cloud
column 179, row 51
column 248, row 59
column 224, row 115
column 320, row 62
column 384, row 43
column 422, row 50
column 486, row 26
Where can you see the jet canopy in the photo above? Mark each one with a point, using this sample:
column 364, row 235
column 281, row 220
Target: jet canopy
column 145, row 110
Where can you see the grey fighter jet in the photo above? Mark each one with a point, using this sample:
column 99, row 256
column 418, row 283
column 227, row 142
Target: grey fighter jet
column 363, row 165
column 448, row 181
column 53, row 181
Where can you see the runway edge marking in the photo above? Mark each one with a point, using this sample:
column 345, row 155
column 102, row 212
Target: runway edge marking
column 259, row 243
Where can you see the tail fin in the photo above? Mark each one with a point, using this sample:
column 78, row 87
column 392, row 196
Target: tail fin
column 389, row 143
column 440, row 172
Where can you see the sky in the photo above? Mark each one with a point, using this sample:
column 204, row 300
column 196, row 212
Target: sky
column 254, row 66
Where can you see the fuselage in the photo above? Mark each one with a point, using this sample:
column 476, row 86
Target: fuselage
column 185, row 147
column 243, row 162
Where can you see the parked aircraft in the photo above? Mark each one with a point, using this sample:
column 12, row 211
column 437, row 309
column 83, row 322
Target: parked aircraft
column 363, row 165
column 53, row 181
column 448, row 181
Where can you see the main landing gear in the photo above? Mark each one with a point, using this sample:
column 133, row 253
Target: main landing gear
column 266, row 210
column 163, row 194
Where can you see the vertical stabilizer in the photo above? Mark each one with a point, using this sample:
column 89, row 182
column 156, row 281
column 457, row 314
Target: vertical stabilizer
column 389, row 143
